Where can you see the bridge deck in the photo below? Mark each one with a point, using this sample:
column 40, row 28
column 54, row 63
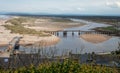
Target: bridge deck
column 10, row 47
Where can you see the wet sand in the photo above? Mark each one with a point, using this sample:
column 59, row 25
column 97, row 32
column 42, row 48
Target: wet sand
column 39, row 41
column 95, row 38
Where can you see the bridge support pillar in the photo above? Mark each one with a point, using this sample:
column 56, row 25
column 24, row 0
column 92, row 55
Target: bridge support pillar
column 57, row 33
column 72, row 33
column 65, row 34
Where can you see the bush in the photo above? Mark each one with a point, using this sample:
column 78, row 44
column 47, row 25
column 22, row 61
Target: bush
column 65, row 67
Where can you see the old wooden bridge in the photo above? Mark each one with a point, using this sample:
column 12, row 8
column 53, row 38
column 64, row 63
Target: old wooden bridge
column 12, row 46
column 78, row 32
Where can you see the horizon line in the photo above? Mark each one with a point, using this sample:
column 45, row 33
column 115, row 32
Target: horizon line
column 38, row 13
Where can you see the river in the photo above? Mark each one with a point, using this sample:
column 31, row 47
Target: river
column 75, row 44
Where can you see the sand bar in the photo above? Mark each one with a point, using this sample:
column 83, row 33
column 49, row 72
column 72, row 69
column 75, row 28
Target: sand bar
column 95, row 38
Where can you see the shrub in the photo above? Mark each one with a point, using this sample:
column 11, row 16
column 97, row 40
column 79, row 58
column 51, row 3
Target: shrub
column 65, row 67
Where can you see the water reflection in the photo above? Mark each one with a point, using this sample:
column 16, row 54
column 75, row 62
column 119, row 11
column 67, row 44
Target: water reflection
column 65, row 34
column 71, row 41
column 75, row 45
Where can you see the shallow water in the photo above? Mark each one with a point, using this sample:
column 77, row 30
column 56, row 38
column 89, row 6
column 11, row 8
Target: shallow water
column 75, row 44
column 88, row 27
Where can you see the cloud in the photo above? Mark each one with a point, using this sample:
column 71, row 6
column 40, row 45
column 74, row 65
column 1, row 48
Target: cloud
column 65, row 9
column 118, row 3
column 80, row 9
column 62, row 6
column 68, row 9
column 113, row 4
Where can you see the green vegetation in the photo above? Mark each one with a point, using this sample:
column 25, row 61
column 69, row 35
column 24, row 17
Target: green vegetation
column 114, row 21
column 17, row 27
column 17, row 21
column 65, row 67
column 109, row 20
column 20, row 20
column 21, row 30
column 110, row 28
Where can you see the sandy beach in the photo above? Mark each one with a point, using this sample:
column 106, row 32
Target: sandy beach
column 51, row 24
column 38, row 24
column 95, row 38
column 6, row 36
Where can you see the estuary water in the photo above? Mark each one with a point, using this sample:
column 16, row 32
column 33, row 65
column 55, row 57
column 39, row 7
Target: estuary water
column 75, row 44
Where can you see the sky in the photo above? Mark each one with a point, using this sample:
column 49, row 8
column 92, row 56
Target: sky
column 81, row 7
